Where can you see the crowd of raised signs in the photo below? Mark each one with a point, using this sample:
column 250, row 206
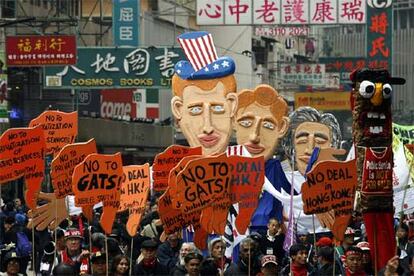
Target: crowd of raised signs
column 77, row 247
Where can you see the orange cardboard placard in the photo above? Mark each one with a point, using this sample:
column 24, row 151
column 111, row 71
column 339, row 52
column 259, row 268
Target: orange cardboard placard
column 64, row 163
column 22, row 152
column 60, row 128
column 331, row 185
column 98, row 179
column 165, row 161
column 134, row 194
column 207, row 180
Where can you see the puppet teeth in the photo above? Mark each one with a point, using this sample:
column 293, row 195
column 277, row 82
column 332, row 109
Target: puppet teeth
column 380, row 129
column 382, row 116
column 375, row 115
column 369, row 115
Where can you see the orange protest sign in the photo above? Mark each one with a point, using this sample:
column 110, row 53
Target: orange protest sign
column 205, row 180
column 164, row 162
column 64, row 163
column 60, row 128
column 98, row 179
column 331, row 185
column 22, row 153
column 134, row 194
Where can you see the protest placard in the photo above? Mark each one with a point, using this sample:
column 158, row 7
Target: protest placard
column 98, row 179
column 64, row 163
column 165, row 161
column 331, row 185
column 60, row 128
column 22, row 153
column 134, row 194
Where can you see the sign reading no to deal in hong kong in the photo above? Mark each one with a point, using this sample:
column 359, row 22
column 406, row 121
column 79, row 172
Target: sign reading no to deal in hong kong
column 117, row 67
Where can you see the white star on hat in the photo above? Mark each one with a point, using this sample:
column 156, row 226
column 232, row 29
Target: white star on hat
column 179, row 71
column 216, row 66
column 180, row 65
column 225, row 63
column 206, row 69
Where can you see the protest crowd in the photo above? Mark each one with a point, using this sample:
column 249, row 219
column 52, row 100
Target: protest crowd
column 79, row 248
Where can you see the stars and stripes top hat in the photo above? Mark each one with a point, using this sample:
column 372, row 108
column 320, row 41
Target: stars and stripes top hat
column 203, row 62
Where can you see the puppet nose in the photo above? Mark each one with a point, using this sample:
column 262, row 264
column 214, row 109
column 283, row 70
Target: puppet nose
column 376, row 100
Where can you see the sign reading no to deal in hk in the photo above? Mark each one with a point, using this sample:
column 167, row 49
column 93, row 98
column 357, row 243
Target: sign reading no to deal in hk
column 145, row 67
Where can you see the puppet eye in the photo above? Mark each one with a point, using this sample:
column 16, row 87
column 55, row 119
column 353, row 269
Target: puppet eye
column 386, row 91
column 195, row 110
column 366, row 89
column 268, row 125
column 246, row 122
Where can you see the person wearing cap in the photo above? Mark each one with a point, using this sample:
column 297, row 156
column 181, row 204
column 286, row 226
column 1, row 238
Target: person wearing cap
column 98, row 263
column 298, row 265
column 272, row 242
column 11, row 264
column 249, row 263
column 353, row 262
column 269, row 266
column 192, row 263
column 347, row 242
column 405, row 249
column 216, row 249
column 169, row 251
column 149, row 264
column 366, row 257
column 74, row 255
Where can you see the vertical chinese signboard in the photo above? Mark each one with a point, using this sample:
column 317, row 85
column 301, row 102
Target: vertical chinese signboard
column 280, row 12
column 36, row 50
column 4, row 116
column 379, row 36
column 126, row 22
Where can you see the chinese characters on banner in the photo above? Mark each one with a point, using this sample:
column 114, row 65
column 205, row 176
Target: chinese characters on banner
column 379, row 37
column 40, row 50
column 117, row 67
column 343, row 65
column 126, row 22
column 285, row 12
column 304, row 74
column 4, row 115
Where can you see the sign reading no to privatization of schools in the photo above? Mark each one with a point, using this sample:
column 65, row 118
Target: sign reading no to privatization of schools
column 144, row 67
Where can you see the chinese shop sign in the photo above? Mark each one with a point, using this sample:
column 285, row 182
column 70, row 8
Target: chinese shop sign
column 324, row 100
column 304, row 74
column 4, row 115
column 40, row 50
column 285, row 12
column 343, row 65
column 117, row 67
column 126, row 22
column 379, row 37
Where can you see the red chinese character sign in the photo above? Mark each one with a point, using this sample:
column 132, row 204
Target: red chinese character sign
column 238, row 12
column 22, row 152
column 352, row 11
column 323, row 11
column 60, row 128
column 379, row 37
column 41, row 50
column 98, row 179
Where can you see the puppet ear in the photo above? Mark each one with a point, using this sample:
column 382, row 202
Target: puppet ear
column 233, row 101
column 283, row 126
column 177, row 107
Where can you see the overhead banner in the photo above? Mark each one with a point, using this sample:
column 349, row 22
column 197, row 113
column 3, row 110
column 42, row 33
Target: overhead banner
column 280, row 12
column 36, row 50
column 324, row 100
column 125, row 22
column 379, row 36
column 146, row 67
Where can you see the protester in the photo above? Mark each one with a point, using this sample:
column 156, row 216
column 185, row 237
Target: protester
column 353, row 262
column 11, row 264
column 74, row 255
column 169, row 251
column 99, row 264
column 120, row 266
column 192, row 263
column 298, row 254
column 366, row 258
column 347, row 242
column 405, row 249
column 269, row 266
column 149, row 265
column 248, row 263
column 272, row 242
column 63, row 269
column 186, row 247
column 20, row 207
column 216, row 249
column 326, row 264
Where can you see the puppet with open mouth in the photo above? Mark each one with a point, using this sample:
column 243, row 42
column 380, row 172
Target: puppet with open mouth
column 372, row 134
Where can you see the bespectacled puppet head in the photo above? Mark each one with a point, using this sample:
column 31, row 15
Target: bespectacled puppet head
column 371, row 106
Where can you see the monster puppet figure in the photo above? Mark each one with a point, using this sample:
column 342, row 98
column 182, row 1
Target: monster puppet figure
column 372, row 133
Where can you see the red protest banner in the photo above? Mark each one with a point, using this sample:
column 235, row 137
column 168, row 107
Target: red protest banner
column 65, row 162
column 134, row 194
column 22, row 152
column 35, row 50
column 60, row 128
column 98, row 179
column 331, row 185
column 166, row 160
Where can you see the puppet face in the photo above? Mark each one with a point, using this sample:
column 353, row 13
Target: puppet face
column 307, row 136
column 205, row 117
column 258, row 130
column 372, row 113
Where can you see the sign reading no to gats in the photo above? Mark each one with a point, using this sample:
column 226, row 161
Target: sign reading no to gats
column 151, row 67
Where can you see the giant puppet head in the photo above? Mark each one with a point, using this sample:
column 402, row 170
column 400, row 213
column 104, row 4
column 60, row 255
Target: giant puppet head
column 261, row 120
column 371, row 101
column 204, row 89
